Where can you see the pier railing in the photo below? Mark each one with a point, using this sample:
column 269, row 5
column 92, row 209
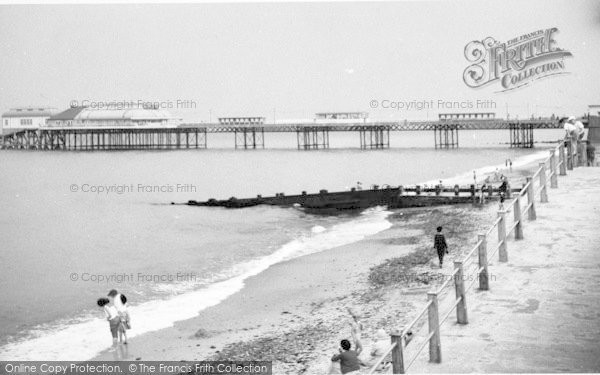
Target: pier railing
column 477, row 260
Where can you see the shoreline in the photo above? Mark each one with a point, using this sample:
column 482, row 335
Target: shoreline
column 304, row 300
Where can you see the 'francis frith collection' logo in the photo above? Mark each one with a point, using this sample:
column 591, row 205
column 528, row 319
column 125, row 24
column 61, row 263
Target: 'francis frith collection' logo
column 515, row 63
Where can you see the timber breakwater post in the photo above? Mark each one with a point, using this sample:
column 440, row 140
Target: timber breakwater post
column 536, row 187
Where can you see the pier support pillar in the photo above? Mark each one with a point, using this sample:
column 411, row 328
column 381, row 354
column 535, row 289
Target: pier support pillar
column 459, row 287
column 312, row 138
column 374, row 137
column 435, row 346
column 502, row 253
column 249, row 138
column 445, row 135
column 484, row 282
column 521, row 135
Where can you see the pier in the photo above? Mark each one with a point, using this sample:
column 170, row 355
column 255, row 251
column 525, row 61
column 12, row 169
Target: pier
column 309, row 136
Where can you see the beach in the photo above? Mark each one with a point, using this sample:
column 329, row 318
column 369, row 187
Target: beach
column 295, row 312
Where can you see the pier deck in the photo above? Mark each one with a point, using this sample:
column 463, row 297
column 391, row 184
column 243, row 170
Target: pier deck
column 372, row 135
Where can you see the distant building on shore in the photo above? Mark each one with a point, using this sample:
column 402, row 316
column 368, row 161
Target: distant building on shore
column 341, row 117
column 26, row 118
column 113, row 118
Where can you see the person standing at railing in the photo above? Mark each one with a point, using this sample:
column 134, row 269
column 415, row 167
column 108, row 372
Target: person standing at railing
column 571, row 132
column 439, row 243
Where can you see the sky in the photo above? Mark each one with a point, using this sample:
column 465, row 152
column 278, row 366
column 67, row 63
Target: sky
column 288, row 60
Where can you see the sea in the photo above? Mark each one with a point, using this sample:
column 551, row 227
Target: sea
column 74, row 225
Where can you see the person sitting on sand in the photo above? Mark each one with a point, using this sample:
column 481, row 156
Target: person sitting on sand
column 439, row 243
column 356, row 328
column 349, row 361
column 112, row 316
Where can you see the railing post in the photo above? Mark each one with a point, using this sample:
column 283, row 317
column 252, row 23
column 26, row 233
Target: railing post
column 483, row 263
column 502, row 254
column 583, row 154
column 435, row 348
column 531, row 200
column 543, row 190
column 459, row 287
column 518, row 218
column 397, row 354
column 569, row 155
column 579, row 154
column 561, row 159
column 553, row 172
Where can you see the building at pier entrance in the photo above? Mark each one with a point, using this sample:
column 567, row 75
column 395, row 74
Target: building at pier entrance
column 25, row 118
column 81, row 117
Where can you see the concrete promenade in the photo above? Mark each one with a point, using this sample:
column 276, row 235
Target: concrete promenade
column 542, row 312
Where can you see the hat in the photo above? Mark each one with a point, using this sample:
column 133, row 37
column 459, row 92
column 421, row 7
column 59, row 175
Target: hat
column 571, row 118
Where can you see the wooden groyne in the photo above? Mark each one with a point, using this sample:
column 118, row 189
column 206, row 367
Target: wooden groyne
column 564, row 157
column 325, row 202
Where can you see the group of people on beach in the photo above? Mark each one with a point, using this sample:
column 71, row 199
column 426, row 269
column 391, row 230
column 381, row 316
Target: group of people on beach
column 350, row 358
column 116, row 313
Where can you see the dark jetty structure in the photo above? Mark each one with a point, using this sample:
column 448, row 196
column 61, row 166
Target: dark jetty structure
column 332, row 203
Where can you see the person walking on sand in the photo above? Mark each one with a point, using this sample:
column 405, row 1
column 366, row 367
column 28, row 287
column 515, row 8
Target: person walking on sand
column 439, row 243
column 348, row 358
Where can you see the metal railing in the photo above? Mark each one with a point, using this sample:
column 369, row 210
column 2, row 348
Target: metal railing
column 568, row 157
